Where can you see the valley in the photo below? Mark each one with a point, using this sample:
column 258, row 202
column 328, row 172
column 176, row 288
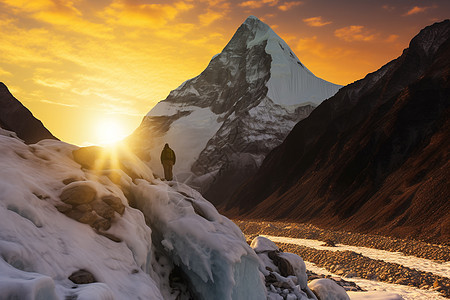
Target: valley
column 413, row 269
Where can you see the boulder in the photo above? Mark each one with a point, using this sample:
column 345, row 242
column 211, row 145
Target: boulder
column 284, row 266
column 263, row 244
column 78, row 193
column 329, row 243
column 87, row 217
column 69, row 180
column 115, row 203
column 63, row 207
column 327, row 289
column 87, row 156
column 83, row 207
column 82, row 277
column 102, row 209
column 101, row 224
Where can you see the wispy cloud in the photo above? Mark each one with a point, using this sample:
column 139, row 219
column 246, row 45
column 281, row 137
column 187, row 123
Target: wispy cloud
column 59, row 103
column 4, row 72
column 63, row 14
column 258, row 4
column 128, row 13
column 354, row 33
column 316, row 22
column 312, row 45
column 392, row 38
column 52, row 83
column 388, row 7
column 211, row 15
column 417, row 10
column 288, row 5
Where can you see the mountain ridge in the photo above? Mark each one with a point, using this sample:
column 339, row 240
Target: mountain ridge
column 14, row 116
column 332, row 178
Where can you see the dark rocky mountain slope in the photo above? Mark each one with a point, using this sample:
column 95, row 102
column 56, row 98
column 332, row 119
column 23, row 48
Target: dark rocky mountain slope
column 17, row 118
column 373, row 158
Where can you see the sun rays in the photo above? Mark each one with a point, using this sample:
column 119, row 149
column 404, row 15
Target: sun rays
column 109, row 131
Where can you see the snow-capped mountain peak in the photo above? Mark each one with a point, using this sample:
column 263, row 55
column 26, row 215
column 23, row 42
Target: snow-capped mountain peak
column 239, row 108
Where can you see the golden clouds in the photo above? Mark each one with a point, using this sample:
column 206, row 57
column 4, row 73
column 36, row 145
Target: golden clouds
column 258, row 4
column 4, row 72
column 217, row 10
column 144, row 15
column 289, row 4
column 210, row 16
column 59, row 84
column 312, row 45
column 58, row 103
column 392, row 38
column 316, row 22
column 281, row 5
column 71, row 61
column 417, row 10
column 354, row 33
column 63, row 14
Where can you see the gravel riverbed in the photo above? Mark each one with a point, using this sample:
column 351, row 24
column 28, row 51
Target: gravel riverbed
column 307, row 231
column 351, row 264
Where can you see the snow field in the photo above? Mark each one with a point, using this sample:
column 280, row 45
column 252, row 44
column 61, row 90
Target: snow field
column 290, row 83
column 187, row 136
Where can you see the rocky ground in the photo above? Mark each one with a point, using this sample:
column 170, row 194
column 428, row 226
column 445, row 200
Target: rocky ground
column 351, row 264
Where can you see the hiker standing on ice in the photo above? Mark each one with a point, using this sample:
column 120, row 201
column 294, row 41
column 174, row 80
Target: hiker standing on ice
column 168, row 159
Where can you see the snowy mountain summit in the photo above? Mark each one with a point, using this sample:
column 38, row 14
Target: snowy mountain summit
column 223, row 122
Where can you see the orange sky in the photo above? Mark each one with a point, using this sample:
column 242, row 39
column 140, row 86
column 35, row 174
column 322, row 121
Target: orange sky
column 77, row 64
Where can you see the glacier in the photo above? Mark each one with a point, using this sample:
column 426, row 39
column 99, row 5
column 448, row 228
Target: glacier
column 168, row 228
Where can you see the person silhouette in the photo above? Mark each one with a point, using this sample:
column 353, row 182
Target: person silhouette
column 168, row 159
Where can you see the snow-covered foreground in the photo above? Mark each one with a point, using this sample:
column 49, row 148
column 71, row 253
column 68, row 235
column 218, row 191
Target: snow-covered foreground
column 91, row 223
column 421, row 264
column 135, row 254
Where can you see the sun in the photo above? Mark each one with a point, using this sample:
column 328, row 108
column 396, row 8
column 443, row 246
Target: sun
column 109, row 131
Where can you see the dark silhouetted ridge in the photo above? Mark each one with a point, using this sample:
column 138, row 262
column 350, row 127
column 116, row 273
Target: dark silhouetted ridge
column 16, row 117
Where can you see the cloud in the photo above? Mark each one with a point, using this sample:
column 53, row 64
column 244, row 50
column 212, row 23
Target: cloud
column 29, row 6
column 392, row 38
column 417, row 10
column 58, row 103
column 212, row 15
column 354, row 33
column 312, row 46
column 4, row 72
column 258, row 4
column 316, row 22
column 59, row 84
column 62, row 14
column 288, row 5
column 144, row 15
column 389, row 8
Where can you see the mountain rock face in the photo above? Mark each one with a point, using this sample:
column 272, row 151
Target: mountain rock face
column 373, row 158
column 17, row 118
column 222, row 123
